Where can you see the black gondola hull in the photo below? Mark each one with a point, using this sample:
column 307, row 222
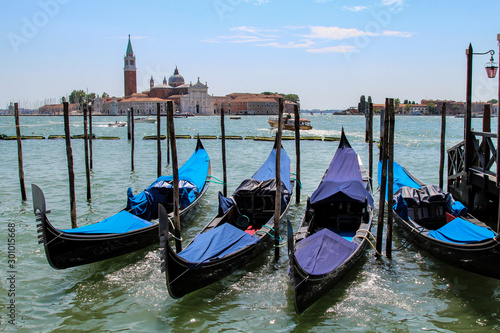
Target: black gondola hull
column 306, row 291
column 65, row 250
column 183, row 277
column 481, row 258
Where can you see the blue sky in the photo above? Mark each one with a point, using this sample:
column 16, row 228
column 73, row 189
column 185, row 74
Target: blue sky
column 329, row 52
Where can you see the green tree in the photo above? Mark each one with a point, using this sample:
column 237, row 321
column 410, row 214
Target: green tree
column 397, row 103
column 362, row 106
column 431, row 107
column 77, row 96
column 105, row 94
column 90, row 97
column 493, row 101
column 292, row 98
column 407, row 108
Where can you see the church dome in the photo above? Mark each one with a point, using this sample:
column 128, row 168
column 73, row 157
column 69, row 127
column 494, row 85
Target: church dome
column 176, row 79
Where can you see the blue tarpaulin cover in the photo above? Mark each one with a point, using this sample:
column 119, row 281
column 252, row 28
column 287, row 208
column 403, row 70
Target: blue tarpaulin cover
column 216, row 243
column 401, row 177
column 462, row 232
column 323, row 252
column 192, row 177
column 268, row 169
column 119, row 223
column 342, row 180
column 225, row 204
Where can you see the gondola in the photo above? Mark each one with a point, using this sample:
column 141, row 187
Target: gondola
column 433, row 221
column 334, row 231
column 129, row 230
column 241, row 231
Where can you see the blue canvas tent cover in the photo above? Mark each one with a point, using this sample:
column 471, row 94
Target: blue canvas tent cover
column 192, row 177
column 323, row 252
column 216, row 243
column 401, row 178
column 268, row 169
column 343, row 180
column 119, row 223
column 461, row 231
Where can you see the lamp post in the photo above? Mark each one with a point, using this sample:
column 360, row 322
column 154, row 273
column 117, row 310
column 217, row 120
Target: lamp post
column 498, row 139
column 491, row 69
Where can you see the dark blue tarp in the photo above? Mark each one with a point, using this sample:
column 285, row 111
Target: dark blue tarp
column 216, row 243
column 268, row 169
column 192, row 177
column 342, row 180
column 401, row 178
column 462, row 232
column 225, row 204
column 323, row 252
column 119, row 223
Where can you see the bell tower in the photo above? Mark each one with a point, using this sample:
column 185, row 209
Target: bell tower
column 129, row 71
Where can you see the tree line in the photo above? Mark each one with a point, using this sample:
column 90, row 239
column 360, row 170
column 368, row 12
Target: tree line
column 80, row 96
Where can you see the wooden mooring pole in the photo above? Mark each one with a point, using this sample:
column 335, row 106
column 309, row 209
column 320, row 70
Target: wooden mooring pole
column 91, row 138
column 129, row 125
column 168, row 141
column 86, row 145
column 277, row 200
column 297, row 153
column 71, row 172
column 158, row 138
column 175, row 172
column 383, row 183
column 468, row 148
column 223, row 138
column 390, row 188
column 19, row 152
column 370, row 144
column 132, row 139
column 442, row 146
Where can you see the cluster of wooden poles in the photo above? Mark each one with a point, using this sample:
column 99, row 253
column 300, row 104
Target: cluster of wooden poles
column 171, row 145
column 386, row 156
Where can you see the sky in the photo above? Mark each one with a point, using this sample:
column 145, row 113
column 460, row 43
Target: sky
column 328, row 52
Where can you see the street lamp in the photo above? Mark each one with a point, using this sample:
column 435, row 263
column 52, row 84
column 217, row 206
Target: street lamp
column 491, row 69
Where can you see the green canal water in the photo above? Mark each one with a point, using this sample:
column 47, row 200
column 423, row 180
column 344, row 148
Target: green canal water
column 412, row 292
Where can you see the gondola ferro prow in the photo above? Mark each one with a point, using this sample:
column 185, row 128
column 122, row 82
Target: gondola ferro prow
column 40, row 211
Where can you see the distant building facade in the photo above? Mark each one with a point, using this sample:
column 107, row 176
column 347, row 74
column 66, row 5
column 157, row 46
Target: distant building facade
column 252, row 104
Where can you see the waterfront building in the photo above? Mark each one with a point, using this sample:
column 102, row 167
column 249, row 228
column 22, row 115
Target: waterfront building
column 252, row 104
column 197, row 100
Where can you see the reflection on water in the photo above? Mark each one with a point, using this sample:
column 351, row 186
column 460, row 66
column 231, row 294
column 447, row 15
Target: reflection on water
column 411, row 292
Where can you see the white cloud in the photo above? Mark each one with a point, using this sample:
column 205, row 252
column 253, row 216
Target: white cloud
column 287, row 38
column 333, row 49
column 392, row 2
column 292, row 45
column 396, row 33
column 255, row 30
column 337, row 33
column 333, row 32
column 354, row 8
